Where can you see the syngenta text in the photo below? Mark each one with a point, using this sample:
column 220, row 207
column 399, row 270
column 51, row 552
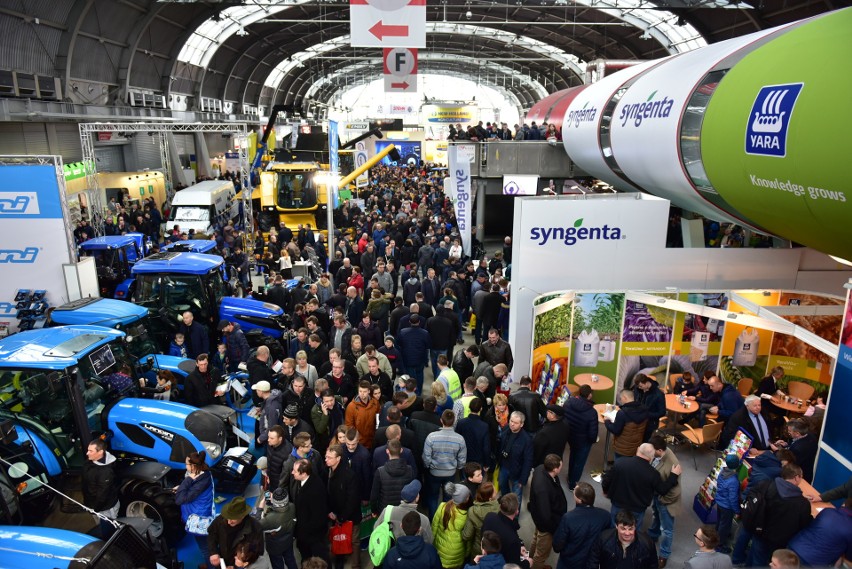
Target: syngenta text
column 570, row 235
column 650, row 109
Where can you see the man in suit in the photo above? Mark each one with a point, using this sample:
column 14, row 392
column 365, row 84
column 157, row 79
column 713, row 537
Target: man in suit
column 311, row 501
column 752, row 420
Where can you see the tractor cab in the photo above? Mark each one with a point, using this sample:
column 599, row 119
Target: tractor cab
column 114, row 256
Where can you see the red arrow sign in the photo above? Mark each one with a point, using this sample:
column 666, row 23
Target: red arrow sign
column 402, row 85
column 381, row 31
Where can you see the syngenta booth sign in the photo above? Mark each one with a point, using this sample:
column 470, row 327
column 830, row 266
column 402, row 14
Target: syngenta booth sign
column 577, row 232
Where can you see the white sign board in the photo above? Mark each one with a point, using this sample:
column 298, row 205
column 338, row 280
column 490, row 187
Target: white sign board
column 387, row 23
column 520, row 185
column 400, row 70
column 461, row 193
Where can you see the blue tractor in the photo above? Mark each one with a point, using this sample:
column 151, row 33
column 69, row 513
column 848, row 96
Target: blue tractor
column 114, row 256
column 59, row 389
column 169, row 284
column 190, row 246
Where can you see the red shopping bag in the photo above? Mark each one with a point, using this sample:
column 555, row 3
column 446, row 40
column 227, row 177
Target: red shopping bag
column 340, row 537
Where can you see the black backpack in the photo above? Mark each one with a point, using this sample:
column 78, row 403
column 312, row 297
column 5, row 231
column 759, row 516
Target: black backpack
column 753, row 508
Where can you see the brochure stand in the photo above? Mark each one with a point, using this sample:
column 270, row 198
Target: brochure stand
column 705, row 499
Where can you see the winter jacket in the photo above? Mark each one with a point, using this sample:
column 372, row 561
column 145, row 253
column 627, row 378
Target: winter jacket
column 472, row 530
column 278, row 525
column 516, row 454
column 361, row 464
column 632, row 482
column 388, row 482
column 177, row 350
column 607, row 552
column 550, row 439
column 100, row 484
column 576, row 533
column 444, row 452
column 670, row 499
column 409, row 289
column 414, row 344
column 196, row 339
column 260, row 371
column 547, row 502
column 237, row 346
column 326, row 425
column 507, row 530
column 270, row 414
column 827, row 539
column 218, row 542
column 654, row 401
column 276, row 457
column 501, row 352
column 371, row 334
column 344, row 494
column 628, row 428
column 477, row 439
column 447, row 540
column 728, row 490
column 730, row 401
column 530, row 404
column 582, row 419
column 787, row 513
column 362, row 416
column 491, row 561
column 199, row 389
column 311, row 501
column 443, row 329
column 398, row 512
column 304, row 402
column 195, row 496
column 412, row 552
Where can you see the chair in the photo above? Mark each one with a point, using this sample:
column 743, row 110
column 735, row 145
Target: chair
column 744, row 386
column 708, row 435
column 672, row 381
column 800, row 390
column 573, row 389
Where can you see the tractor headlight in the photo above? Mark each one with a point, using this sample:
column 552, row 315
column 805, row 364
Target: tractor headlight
column 213, row 450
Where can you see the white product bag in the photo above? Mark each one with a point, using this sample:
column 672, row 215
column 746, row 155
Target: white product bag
column 586, row 349
column 698, row 347
column 606, row 350
column 745, row 347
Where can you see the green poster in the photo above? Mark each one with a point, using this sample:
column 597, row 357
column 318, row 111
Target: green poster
column 775, row 130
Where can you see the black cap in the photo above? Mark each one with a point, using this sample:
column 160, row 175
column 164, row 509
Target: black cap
column 557, row 410
column 223, row 324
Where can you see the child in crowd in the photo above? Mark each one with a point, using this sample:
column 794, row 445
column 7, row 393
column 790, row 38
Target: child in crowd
column 727, row 500
column 393, row 354
column 220, row 358
column 178, row 348
column 166, row 384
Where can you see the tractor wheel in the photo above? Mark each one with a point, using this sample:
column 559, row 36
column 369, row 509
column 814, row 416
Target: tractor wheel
column 144, row 500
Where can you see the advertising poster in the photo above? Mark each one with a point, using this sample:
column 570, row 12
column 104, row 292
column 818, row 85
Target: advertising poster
column 596, row 335
column 745, row 350
column 831, row 471
column 409, row 150
column 700, row 337
column 552, row 345
column 800, row 361
column 647, row 329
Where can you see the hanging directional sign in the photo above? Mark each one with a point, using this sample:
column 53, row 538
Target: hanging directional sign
column 400, row 69
column 387, row 23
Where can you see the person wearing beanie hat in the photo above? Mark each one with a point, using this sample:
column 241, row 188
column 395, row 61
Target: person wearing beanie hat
column 392, row 353
column 293, row 425
column 232, row 526
column 448, row 523
column 409, row 496
column 727, row 499
column 278, row 520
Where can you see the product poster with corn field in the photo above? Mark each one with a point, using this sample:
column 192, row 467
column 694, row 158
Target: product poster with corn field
column 596, row 341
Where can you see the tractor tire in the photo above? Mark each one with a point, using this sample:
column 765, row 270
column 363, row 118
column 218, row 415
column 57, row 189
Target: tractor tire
column 144, row 500
column 267, row 220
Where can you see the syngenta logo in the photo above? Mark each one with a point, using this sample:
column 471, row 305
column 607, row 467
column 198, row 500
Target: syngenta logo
column 19, row 203
column 649, row 109
column 586, row 114
column 570, row 235
column 27, row 255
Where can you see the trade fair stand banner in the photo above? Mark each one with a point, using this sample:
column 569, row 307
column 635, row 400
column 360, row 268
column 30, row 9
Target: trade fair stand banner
column 552, row 345
column 833, row 466
column 35, row 240
column 647, row 339
column 596, row 339
column 746, row 349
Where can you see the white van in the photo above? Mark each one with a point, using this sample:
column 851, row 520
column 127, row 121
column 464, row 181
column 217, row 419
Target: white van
column 204, row 205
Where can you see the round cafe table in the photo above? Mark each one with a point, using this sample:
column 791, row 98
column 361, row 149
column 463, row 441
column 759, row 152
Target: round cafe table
column 603, row 383
column 673, row 406
column 791, row 407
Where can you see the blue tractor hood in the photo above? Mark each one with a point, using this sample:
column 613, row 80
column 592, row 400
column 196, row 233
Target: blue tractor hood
column 185, row 263
column 32, row 543
column 191, row 246
column 253, row 314
column 53, row 348
column 109, row 242
column 97, row 311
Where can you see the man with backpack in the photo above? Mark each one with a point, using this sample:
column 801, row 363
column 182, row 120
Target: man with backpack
column 411, row 550
column 773, row 513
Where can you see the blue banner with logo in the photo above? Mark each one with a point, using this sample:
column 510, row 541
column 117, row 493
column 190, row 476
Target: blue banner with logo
column 333, row 158
column 29, row 192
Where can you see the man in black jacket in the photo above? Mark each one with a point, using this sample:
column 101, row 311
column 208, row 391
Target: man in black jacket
column 277, row 451
column 197, row 339
column 100, row 485
column 582, row 419
column 462, row 362
column 505, row 524
column 579, row 528
column 311, row 501
column 623, row 547
column 547, row 505
column 632, row 483
column 343, row 502
column 390, row 479
column 552, row 437
column 477, row 438
column 199, row 389
column 529, row 403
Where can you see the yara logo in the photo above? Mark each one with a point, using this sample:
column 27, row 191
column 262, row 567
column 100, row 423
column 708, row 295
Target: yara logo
column 766, row 132
column 570, row 235
column 19, row 203
column 27, row 255
column 582, row 115
column 649, row 109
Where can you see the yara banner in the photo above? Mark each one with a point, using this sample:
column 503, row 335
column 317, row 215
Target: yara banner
column 461, row 194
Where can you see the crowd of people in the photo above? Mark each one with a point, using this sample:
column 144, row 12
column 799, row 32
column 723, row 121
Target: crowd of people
column 351, row 432
column 494, row 132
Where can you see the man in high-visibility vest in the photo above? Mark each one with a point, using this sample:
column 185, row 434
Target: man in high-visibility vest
column 449, row 378
column 461, row 407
